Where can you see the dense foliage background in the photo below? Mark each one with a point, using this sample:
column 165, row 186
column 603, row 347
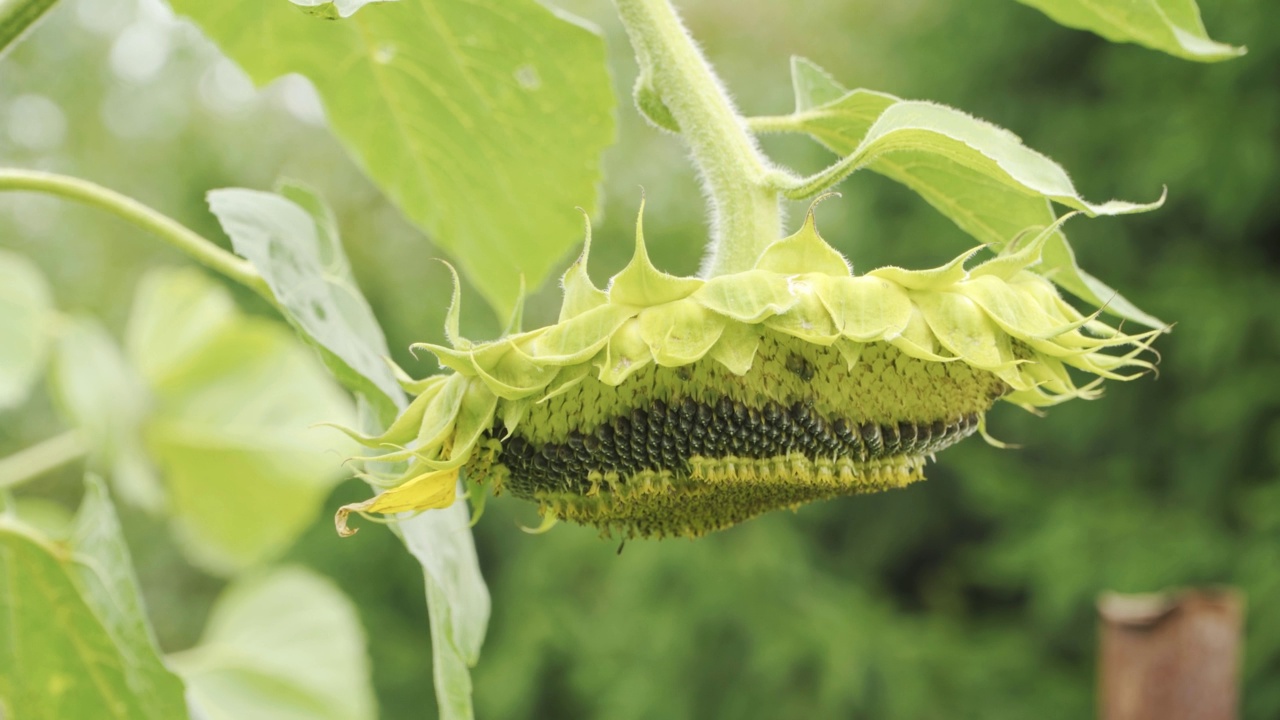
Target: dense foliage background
column 968, row 596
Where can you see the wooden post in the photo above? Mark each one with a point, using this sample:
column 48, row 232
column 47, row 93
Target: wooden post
column 1170, row 656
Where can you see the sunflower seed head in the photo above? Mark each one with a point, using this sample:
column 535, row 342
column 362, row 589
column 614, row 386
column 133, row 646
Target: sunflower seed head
column 677, row 406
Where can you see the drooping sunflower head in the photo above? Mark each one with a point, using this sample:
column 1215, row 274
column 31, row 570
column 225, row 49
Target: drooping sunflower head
column 664, row 405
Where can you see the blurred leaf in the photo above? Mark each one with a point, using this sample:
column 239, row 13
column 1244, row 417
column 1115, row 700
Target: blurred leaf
column 26, row 314
column 332, row 9
column 1171, row 26
column 49, row 518
column 483, row 121
column 74, row 638
column 236, row 399
column 19, row 16
column 285, row 645
column 102, row 395
column 293, row 241
column 980, row 176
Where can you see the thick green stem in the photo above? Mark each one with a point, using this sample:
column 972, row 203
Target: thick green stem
column 201, row 249
column 746, row 212
column 39, row 459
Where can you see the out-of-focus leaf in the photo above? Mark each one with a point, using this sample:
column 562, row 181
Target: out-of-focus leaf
column 26, row 313
column 483, row 121
column 104, row 573
column 19, row 16
column 1171, row 26
column 332, row 9
column 292, row 239
column 74, row 638
column 980, row 176
column 285, row 645
column 103, row 396
column 235, row 401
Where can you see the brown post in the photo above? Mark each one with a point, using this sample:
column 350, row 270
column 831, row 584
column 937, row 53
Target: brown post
column 1170, row 656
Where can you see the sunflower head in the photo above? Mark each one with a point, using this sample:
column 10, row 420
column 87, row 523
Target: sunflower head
column 666, row 405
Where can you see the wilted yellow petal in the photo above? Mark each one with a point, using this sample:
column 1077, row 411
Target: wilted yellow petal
column 428, row 491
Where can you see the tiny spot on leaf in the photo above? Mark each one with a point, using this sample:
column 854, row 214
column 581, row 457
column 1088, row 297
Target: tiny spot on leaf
column 527, row 76
column 384, row 53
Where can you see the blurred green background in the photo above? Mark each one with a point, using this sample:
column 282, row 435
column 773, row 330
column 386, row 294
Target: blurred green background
column 970, row 595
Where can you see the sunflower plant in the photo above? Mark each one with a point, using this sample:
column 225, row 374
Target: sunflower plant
column 654, row 405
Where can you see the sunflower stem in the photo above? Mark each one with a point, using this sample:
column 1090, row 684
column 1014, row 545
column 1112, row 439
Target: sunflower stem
column 678, row 89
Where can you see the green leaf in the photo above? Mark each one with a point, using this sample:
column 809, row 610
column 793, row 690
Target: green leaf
column 292, row 239
column 1171, row 26
column 235, row 402
column 457, row 600
column 17, row 17
column 483, row 121
column 101, row 394
column 813, row 85
column 26, row 314
column 284, row 645
column 980, row 176
column 293, row 242
column 74, row 639
column 332, row 9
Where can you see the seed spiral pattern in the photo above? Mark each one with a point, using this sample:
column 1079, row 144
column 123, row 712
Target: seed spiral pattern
column 665, row 437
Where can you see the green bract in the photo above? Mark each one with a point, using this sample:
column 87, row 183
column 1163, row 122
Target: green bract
column 676, row 406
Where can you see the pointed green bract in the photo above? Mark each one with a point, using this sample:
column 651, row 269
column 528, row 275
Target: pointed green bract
column 604, row 417
column 1171, row 26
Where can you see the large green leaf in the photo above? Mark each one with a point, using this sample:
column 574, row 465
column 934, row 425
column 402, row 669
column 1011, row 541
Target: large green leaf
column 484, row 121
column 19, row 16
column 980, row 176
column 1171, row 26
column 74, row 638
column 292, row 239
column 286, row 645
column 26, row 314
column 235, row 402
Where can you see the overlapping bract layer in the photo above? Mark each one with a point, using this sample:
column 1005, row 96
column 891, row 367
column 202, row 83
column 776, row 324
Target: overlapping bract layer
column 1005, row 324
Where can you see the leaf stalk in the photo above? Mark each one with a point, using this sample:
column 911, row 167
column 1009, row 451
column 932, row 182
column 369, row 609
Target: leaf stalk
column 195, row 245
column 32, row 462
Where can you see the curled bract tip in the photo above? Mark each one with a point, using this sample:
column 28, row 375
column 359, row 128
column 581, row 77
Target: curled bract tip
column 452, row 318
column 428, row 491
column 548, row 521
